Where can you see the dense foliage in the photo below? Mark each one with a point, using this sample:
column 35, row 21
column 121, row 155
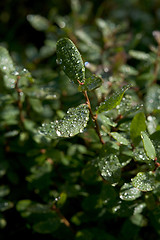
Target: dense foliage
column 80, row 121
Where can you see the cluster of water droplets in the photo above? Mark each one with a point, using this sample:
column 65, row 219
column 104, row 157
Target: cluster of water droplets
column 140, row 155
column 73, row 123
column 152, row 100
column 110, row 168
column 70, row 60
column 129, row 193
column 144, row 181
column 114, row 100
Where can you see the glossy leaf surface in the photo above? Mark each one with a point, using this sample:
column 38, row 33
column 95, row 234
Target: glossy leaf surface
column 119, row 138
column 112, row 101
column 91, row 83
column 152, row 100
column 6, row 63
column 110, row 168
column 148, row 146
column 129, row 193
column 70, row 60
column 144, row 181
column 73, row 123
column 137, row 125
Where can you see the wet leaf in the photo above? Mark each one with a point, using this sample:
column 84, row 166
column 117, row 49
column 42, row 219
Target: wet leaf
column 144, row 181
column 73, row 123
column 148, row 146
column 129, row 193
column 70, row 60
column 138, row 125
column 119, row 138
column 6, row 63
column 152, row 99
column 112, row 101
column 91, row 83
column 140, row 155
column 110, row 168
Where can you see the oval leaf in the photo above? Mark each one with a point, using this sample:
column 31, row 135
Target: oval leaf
column 70, row 59
column 91, row 83
column 38, row 22
column 6, row 63
column 148, row 146
column 138, row 125
column 73, row 123
column 119, row 138
column 129, row 193
column 152, row 99
column 110, row 168
column 112, row 101
column 144, row 181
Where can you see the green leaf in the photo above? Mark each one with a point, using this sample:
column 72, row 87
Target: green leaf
column 152, row 99
column 140, row 155
column 138, row 125
column 110, row 168
column 5, row 205
column 139, row 220
column 38, row 22
column 73, row 123
column 6, row 63
column 156, row 141
column 91, row 83
column 4, row 190
column 139, row 55
column 129, row 193
column 119, row 138
column 112, row 101
column 148, row 146
column 48, row 226
column 144, row 181
column 70, row 59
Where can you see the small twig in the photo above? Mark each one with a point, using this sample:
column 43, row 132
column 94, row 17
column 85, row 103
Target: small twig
column 94, row 117
column 62, row 217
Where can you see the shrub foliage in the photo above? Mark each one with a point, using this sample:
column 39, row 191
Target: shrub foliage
column 80, row 130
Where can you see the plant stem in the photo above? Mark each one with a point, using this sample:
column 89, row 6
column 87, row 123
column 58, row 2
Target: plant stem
column 63, row 219
column 94, row 117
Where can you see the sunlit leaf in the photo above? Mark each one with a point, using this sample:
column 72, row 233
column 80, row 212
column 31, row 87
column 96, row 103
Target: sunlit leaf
column 148, row 146
column 144, row 181
column 73, row 123
column 117, row 136
column 112, row 101
column 152, row 99
column 138, row 125
column 140, row 155
column 110, row 168
column 129, row 193
column 70, row 60
column 6, row 63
